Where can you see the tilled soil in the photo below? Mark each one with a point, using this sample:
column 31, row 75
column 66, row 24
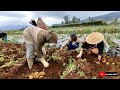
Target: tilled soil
column 20, row 69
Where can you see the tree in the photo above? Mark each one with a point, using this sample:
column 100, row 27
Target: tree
column 92, row 20
column 89, row 18
column 62, row 23
column 79, row 20
column 118, row 20
column 66, row 19
column 75, row 20
column 115, row 20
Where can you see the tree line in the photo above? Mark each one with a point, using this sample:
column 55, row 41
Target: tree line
column 76, row 22
column 68, row 21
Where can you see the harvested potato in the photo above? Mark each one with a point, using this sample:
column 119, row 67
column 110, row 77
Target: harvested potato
column 118, row 66
column 30, row 76
column 113, row 63
column 36, row 75
column 107, row 63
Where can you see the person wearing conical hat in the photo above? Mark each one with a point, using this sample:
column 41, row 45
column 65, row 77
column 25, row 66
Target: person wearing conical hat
column 94, row 44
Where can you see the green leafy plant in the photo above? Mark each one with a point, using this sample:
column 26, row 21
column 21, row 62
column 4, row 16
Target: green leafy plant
column 64, row 74
column 10, row 63
column 15, row 40
column 71, row 59
column 81, row 73
column 84, row 60
column 1, row 58
column 71, row 67
column 56, row 57
column 94, row 77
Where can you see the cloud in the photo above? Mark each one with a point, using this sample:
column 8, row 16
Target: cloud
column 23, row 17
column 49, row 17
column 57, row 14
column 17, row 14
column 15, row 17
column 52, row 20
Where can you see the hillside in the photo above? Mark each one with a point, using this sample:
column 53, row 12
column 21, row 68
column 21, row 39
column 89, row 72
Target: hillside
column 106, row 17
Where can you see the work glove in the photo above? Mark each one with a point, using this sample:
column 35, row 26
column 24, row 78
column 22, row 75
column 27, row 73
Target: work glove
column 44, row 62
column 33, row 22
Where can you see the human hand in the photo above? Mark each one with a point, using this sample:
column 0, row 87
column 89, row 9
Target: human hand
column 61, row 49
column 97, row 62
column 79, row 56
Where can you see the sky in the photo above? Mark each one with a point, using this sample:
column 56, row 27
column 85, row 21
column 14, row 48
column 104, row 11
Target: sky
column 49, row 17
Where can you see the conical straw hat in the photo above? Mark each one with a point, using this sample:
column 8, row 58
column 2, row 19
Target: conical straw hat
column 94, row 38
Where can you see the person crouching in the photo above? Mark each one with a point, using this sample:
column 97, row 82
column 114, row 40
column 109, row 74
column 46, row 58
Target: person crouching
column 72, row 43
column 94, row 44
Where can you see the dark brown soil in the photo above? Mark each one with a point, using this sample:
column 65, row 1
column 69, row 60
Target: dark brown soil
column 56, row 68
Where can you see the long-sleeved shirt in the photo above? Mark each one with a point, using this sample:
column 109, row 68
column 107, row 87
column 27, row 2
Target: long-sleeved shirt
column 100, row 46
column 36, row 36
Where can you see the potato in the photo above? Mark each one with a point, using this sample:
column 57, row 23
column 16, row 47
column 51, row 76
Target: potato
column 36, row 76
column 40, row 77
column 30, row 76
column 113, row 63
column 111, row 59
column 36, row 73
column 107, row 63
column 42, row 73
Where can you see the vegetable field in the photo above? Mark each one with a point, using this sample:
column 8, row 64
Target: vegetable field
column 63, row 63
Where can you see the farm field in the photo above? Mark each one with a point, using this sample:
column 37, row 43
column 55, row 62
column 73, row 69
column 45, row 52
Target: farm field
column 63, row 63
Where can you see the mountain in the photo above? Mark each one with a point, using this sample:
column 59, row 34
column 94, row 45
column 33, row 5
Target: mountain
column 106, row 17
column 12, row 27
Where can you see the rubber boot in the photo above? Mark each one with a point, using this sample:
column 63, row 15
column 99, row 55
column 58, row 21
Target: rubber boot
column 30, row 62
column 45, row 63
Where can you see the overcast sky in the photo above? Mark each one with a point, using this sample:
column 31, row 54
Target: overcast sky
column 49, row 17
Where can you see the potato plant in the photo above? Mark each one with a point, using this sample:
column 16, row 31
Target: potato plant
column 81, row 73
